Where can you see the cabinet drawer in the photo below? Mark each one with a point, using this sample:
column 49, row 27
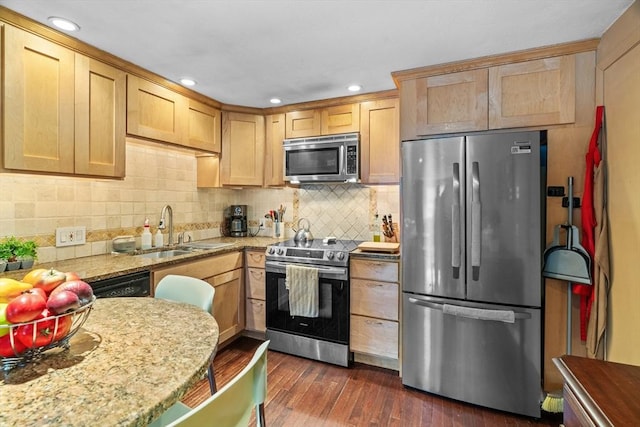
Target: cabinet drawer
column 374, row 270
column 255, row 315
column 375, row 299
column 374, row 336
column 255, row 259
column 255, row 283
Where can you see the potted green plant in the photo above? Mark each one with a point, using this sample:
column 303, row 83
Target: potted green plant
column 9, row 248
column 27, row 253
column 5, row 254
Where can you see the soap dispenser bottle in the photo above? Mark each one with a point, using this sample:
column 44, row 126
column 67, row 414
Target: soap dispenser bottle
column 146, row 235
column 158, row 239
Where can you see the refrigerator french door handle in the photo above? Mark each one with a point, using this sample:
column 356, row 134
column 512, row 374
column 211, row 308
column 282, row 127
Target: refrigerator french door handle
column 476, row 221
column 456, row 250
column 440, row 307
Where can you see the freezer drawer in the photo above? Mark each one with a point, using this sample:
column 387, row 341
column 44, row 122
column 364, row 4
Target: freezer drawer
column 471, row 352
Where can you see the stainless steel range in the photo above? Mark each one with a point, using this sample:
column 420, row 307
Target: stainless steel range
column 324, row 337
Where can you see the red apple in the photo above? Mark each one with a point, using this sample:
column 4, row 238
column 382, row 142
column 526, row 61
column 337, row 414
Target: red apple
column 50, row 280
column 81, row 288
column 63, row 301
column 25, row 307
column 72, row 275
column 6, row 349
column 40, row 292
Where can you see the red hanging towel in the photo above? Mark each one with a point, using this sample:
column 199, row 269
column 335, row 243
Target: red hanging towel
column 589, row 223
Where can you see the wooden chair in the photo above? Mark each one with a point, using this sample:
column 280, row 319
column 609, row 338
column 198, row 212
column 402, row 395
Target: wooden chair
column 191, row 291
column 231, row 405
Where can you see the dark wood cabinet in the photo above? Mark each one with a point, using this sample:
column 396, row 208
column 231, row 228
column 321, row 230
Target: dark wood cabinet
column 599, row 393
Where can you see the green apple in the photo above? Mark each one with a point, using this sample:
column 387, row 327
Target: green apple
column 4, row 325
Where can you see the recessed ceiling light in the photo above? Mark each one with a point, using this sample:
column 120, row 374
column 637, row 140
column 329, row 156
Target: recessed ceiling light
column 275, row 100
column 188, row 81
column 64, row 24
column 354, row 88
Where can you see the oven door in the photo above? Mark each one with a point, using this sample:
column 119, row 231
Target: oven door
column 332, row 323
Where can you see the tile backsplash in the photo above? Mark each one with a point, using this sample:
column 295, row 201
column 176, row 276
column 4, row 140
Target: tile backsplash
column 33, row 206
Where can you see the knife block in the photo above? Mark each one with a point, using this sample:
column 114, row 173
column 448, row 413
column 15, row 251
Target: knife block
column 396, row 234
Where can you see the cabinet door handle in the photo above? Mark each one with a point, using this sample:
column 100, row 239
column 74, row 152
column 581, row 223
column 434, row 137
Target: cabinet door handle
column 257, row 257
column 257, row 274
column 374, row 322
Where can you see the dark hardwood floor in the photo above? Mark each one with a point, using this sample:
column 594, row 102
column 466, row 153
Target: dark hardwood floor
column 307, row 393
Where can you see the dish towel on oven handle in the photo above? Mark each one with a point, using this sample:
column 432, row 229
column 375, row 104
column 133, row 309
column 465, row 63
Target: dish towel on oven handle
column 303, row 284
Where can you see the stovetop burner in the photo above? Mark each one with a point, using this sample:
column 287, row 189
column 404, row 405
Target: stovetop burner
column 313, row 252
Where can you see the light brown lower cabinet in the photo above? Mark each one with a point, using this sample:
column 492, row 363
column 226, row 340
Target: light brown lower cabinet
column 225, row 274
column 255, row 292
column 374, row 308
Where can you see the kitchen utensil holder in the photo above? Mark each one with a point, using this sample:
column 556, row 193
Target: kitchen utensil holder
column 78, row 317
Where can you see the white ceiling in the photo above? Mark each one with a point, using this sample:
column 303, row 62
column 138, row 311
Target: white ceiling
column 245, row 52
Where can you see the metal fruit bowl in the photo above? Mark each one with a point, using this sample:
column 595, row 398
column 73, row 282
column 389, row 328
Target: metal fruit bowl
column 26, row 354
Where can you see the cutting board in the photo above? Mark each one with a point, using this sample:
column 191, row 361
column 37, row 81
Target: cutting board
column 379, row 247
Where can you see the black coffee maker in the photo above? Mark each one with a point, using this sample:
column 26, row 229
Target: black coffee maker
column 237, row 220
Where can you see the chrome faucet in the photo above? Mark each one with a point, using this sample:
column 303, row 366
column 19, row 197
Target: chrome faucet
column 162, row 225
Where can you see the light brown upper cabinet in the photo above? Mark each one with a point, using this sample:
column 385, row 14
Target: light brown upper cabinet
column 208, row 171
column 325, row 121
column 38, row 103
column 158, row 113
column 204, row 127
column 380, row 141
column 64, row 112
column 533, row 93
column 100, row 118
column 527, row 93
column 243, row 137
column 302, row 123
column 273, row 168
column 340, row 119
column 454, row 102
column 155, row 112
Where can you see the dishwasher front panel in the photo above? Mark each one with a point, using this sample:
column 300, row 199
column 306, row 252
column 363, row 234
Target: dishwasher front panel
column 473, row 353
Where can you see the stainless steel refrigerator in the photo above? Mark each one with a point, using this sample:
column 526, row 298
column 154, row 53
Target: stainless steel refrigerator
column 472, row 243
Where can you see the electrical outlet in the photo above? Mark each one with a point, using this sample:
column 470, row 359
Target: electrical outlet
column 70, row 236
column 262, row 223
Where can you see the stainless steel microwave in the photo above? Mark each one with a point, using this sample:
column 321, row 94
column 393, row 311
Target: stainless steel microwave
column 333, row 158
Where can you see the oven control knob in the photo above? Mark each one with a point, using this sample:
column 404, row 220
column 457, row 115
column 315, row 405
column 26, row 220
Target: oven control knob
column 271, row 250
column 280, row 251
column 340, row 256
column 330, row 255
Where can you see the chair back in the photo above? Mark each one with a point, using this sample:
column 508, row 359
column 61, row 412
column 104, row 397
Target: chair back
column 186, row 289
column 232, row 404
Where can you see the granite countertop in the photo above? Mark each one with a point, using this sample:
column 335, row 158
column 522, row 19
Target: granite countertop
column 105, row 266
column 126, row 365
column 99, row 267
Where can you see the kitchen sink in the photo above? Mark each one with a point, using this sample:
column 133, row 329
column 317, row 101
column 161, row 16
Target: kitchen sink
column 202, row 245
column 165, row 254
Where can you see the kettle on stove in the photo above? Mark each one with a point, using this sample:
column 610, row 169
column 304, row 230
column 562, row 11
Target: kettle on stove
column 303, row 235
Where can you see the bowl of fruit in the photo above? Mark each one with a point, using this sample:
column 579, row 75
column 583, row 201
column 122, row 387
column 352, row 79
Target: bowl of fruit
column 40, row 312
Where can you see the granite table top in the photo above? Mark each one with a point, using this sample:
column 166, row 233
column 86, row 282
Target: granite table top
column 130, row 361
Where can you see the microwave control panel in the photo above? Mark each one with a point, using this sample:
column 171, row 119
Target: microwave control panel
column 352, row 159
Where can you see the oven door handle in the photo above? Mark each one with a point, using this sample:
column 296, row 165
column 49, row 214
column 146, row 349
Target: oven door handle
column 323, row 271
